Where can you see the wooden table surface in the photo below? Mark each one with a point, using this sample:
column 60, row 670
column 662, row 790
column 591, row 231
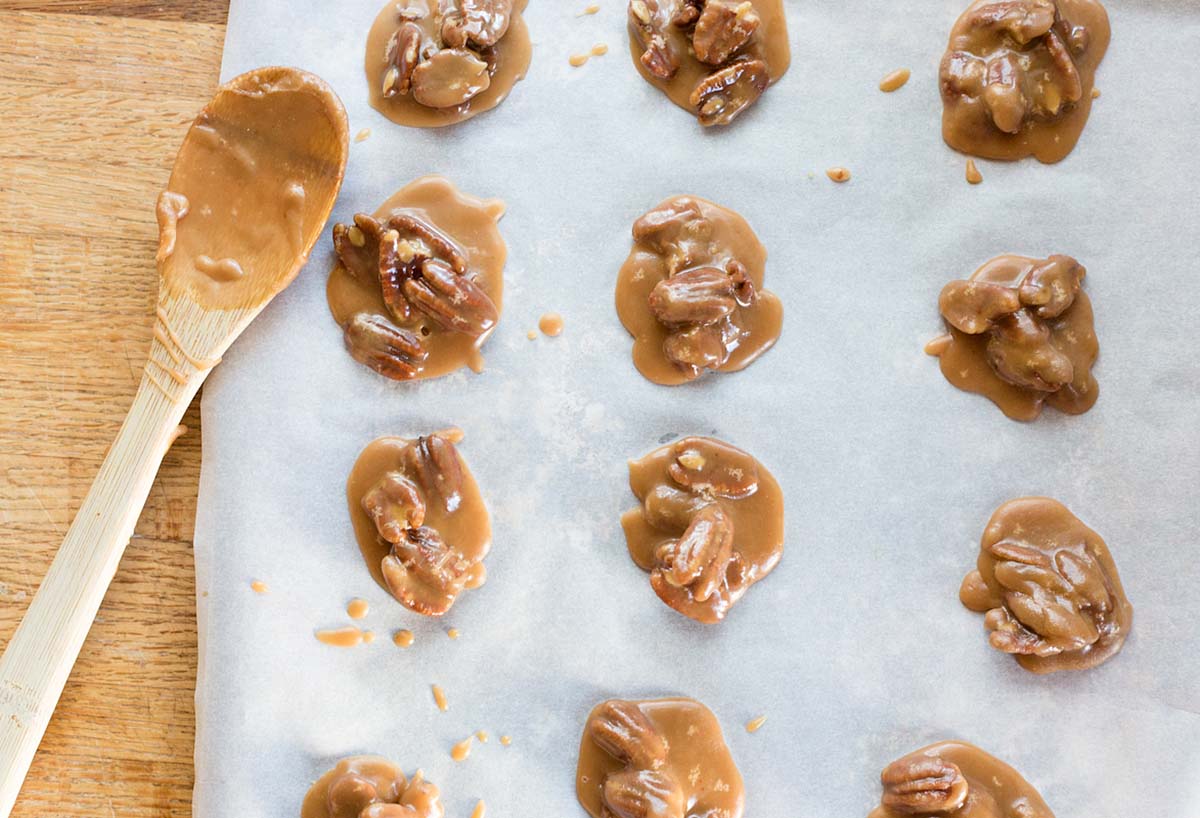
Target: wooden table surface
column 94, row 101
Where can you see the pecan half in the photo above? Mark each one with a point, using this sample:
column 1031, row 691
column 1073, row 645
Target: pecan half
column 349, row 794
column 677, row 231
column 1003, row 93
column 357, row 246
column 1071, row 84
column 377, row 343
column 436, row 464
column 972, row 306
column 920, row 785
column 1052, row 603
column 724, row 27
column 1020, row 352
column 703, row 295
column 733, row 582
column 722, row 95
column 622, row 730
column 697, row 348
column 706, row 467
column 1052, row 285
column 403, row 54
column 423, row 573
column 643, row 794
column 658, row 55
column 688, row 13
column 452, row 301
column 438, row 242
column 450, row 78
column 481, row 23
column 395, row 505
column 1023, row 20
column 707, row 540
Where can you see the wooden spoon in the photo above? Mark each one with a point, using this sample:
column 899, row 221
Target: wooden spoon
column 251, row 191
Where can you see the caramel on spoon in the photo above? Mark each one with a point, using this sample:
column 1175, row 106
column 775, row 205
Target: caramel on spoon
column 251, row 190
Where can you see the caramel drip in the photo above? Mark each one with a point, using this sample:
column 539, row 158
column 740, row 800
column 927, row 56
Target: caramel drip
column 358, row 608
column 755, row 724
column 551, row 324
column 480, row 810
column 482, row 735
column 439, row 698
column 259, row 587
column 506, row 741
column 974, row 177
column 460, row 751
column 453, row 633
column 403, row 639
column 894, row 80
column 838, row 174
column 363, row 135
column 201, row 364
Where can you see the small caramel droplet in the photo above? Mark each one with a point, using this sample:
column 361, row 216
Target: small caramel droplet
column 402, row 639
column 894, row 80
column 439, row 697
column 1095, row 93
column 368, row 637
column 839, row 174
column 506, row 740
column 973, row 174
column 577, row 60
column 531, row 335
column 480, row 810
column 551, row 324
column 592, row 9
column 453, row 633
column 754, row 724
column 259, row 587
column 482, row 735
column 460, row 751
column 363, row 135
column 599, row 49
column 357, row 608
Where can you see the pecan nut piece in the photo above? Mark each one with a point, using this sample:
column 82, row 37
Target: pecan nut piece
column 732, row 581
column 1052, row 604
column 438, row 243
column 403, row 54
column 1004, row 94
column 349, row 794
column 707, row 542
column 972, row 306
column 452, row 301
column 703, row 295
column 722, row 95
column 706, row 467
column 1023, row 20
column 450, row 78
column 423, row 573
column 1052, row 285
column 395, row 505
column 357, row 246
column 435, row 462
column 480, row 23
column 921, row 785
column 643, row 794
column 377, row 343
column 698, row 348
column 622, row 730
column 670, row 510
column 1020, row 352
column 679, row 232
column 647, row 23
column 723, row 28
column 688, row 13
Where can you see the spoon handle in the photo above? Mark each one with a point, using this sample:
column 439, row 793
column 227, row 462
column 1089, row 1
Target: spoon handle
column 39, row 657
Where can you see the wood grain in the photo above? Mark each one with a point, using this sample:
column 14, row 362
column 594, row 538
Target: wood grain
column 96, row 99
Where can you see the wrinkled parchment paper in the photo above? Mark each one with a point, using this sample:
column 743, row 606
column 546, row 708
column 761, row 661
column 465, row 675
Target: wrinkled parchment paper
column 856, row 648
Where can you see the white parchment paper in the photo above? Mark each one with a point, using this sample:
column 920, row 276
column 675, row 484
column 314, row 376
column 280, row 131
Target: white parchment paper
column 856, row 647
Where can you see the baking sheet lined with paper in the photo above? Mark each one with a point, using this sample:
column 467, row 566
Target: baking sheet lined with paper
column 856, row 647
